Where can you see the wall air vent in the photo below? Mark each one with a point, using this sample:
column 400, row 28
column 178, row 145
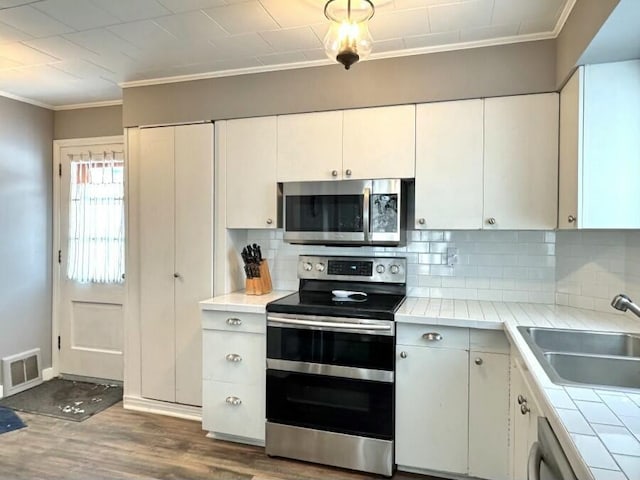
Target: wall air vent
column 21, row 371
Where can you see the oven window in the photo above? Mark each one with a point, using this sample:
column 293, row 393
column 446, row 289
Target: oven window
column 324, row 213
column 354, row 407
column 375, row 352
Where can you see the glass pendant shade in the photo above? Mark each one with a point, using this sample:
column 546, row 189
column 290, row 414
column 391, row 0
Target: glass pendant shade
column 348, row 39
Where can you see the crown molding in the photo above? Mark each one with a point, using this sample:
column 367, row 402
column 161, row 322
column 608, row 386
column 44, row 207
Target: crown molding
column 564, row 15
column 30, row 101
column 78, row 106
column 317, row 63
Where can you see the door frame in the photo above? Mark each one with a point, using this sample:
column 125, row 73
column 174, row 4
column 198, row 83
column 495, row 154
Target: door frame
column 58, row 145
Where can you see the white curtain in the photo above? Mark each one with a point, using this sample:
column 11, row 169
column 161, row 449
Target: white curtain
column 96, row 218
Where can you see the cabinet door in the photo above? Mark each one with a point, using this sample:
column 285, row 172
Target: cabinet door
column 432, row 408
column 193, row 252
column 252, row 200
column 310, row 147
column 525, row 426
column 157, row 260
column 449, row 168
column 521, row 162
column 611, row 146
column 379, row 142
column 570, row 151
column 489, row 415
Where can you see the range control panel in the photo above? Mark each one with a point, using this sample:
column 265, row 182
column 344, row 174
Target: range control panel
column 361, row 269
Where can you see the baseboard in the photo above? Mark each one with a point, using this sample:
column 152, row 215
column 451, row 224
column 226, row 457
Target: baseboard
column 139, row 404
column 47, row 374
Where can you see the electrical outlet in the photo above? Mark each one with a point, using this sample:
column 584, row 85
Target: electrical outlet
column 452, row 256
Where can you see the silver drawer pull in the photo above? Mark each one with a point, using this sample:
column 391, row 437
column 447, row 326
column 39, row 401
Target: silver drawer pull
column 235, row 401
column 233, row 357
column 234, row 321
column 432, row 337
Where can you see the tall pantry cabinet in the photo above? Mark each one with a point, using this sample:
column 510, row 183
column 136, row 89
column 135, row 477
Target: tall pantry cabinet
column 175, row 253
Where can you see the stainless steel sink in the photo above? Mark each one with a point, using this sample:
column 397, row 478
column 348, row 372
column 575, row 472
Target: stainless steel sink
column 578, row 357
column 589, row 343
column 593, row 370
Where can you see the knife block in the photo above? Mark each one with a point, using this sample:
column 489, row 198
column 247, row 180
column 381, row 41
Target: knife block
column 262, row 284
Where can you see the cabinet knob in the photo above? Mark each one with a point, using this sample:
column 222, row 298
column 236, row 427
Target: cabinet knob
column 403, row 354
column 234, row 321
column 235, row 401
column 432, row 337
column 348, row 172
column 177, row 275
column 422, row 221
column 334, row 173
column 524, row 409
column 269, row 221
column 571, row 219
column 478, row 361
column 491, row 221
column 233, row 357
column 522, row 399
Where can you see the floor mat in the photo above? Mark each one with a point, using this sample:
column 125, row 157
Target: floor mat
column 9, row 421
column 66, row 399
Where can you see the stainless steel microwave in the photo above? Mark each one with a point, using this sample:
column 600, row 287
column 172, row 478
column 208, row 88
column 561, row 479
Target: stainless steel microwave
column 347, row 212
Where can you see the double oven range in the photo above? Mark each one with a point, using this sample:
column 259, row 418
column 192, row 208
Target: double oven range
column 331, row 363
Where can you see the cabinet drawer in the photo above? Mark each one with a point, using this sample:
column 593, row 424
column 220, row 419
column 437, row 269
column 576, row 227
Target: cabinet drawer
column 234, row 321
column 450, row 337
column 233, row 357
column 221, row 415
column 490, row 341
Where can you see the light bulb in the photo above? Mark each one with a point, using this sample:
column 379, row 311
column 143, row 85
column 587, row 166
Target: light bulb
column 348, row 42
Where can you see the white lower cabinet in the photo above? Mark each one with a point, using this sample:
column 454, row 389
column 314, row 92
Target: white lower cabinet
column 234, row 352
column 452, row 405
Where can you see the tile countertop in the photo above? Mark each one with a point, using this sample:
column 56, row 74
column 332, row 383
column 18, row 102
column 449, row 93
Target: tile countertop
column 598, row 429
column 239, row 302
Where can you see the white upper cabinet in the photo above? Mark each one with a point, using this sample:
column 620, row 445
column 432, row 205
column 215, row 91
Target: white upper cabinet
column 449, row 158
column 351, row 144
column 252, row 195
column 521, row 162
column 600, row 147
column 379, row 142
column 309, row 147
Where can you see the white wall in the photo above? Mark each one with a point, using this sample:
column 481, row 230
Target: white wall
column 580, row 269
column 25, row 225
column 505, row 266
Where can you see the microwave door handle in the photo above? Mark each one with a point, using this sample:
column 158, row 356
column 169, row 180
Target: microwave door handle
column 366, row 213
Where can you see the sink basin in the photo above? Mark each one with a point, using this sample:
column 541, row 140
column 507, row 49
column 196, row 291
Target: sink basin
column 592, row 370
column 578, row 357
column 590, row 343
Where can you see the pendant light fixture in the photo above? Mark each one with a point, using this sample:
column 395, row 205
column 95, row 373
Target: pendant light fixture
column 348, row 39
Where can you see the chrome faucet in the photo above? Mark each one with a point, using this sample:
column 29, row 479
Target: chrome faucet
column 623, row 303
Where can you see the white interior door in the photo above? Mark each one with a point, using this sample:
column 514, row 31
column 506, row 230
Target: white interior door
column 91, row 260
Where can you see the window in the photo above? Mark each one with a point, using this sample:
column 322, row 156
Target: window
column 96, row 218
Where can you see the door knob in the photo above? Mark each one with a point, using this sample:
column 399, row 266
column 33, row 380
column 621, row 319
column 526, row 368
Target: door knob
column 269, row 221
column 571, row 219
column 348, row 172
column 491, row 221
column 478, row 361
column 334, row 173
column 521, row 399
column 524, row 409
column 403, row 354
column 176, row 275
column 422, row 221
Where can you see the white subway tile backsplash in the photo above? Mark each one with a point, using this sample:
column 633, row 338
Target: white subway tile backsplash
column 581, row 269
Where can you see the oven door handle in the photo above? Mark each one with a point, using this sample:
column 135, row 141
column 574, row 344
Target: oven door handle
column 366, row 213
column 322, row 324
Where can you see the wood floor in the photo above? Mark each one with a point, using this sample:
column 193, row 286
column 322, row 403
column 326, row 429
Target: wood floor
column 121, row 444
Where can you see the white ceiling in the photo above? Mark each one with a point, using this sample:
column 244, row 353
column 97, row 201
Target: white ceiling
column 69, row 52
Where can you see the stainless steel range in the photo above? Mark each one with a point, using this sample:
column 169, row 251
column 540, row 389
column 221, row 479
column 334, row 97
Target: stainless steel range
column 331, row 363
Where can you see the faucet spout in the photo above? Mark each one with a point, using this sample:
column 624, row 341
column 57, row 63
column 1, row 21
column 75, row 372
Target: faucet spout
column 623, row 303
